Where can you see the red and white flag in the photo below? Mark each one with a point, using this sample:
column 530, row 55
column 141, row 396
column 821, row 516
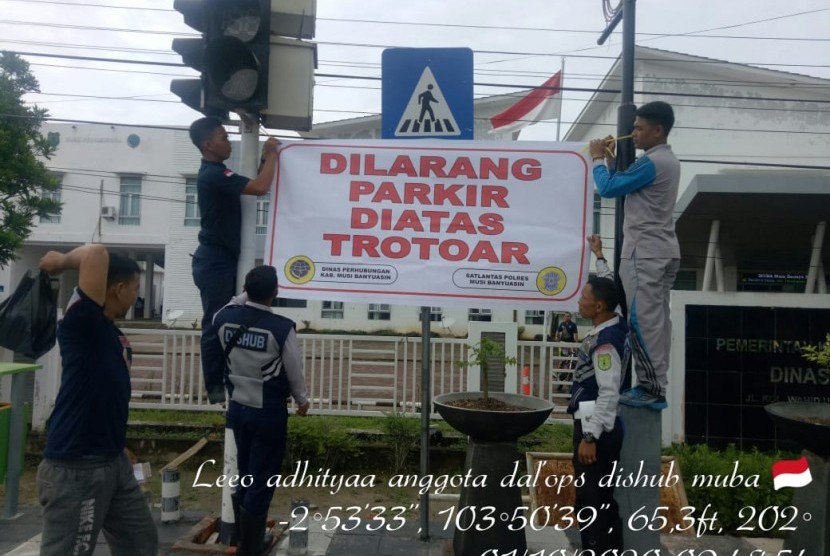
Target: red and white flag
column 542, row 103
column 791, row 473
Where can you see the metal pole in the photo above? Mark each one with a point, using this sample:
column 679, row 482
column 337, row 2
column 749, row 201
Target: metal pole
column 625, row 124
column 561, row 100
column 711, row 250
column 426, row 407
column 813, row 275
column 16, row 448
column 248, row 157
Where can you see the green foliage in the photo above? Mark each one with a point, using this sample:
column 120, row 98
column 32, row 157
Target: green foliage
column 22, row 175
column 729, row 501
column 818, row 354
column 403, row 435
column 481, row 355
column 176, row 417
column 321, row 440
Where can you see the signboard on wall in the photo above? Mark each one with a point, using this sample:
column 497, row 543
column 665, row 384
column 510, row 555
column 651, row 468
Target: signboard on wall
column 739, row 359
column 429, row 222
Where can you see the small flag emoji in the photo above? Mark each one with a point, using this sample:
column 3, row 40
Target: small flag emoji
column 791, row 473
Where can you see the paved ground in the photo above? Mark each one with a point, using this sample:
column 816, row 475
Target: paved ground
column 20, row 537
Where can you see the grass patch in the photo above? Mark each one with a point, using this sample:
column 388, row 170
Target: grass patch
column 173, row 417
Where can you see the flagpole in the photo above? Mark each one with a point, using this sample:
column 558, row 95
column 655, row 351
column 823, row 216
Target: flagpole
column 561, row 98
column 558, row 129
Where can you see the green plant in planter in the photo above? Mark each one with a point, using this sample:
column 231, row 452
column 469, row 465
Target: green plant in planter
column 482, row 354
column 816, row 355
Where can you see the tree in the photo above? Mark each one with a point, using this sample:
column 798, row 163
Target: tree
column 23, row 175
column 482, row 354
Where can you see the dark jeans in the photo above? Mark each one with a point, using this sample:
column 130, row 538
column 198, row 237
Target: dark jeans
column 214, row 272
column 605, row 532
column 260, row 435
column 82, row 497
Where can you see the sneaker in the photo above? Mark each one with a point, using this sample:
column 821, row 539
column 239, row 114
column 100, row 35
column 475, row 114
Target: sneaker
column 639, row 397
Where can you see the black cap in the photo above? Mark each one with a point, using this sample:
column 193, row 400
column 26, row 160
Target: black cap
column 261, row 282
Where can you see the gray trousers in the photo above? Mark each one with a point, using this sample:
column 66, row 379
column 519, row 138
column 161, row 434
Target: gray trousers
column 647, row 284
column 82, row 497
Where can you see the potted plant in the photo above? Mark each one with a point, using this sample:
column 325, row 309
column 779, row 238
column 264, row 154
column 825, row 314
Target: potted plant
column 493, row 421
column 473, row 413
column 808, row 424
column 481, row 355
column 816, row 355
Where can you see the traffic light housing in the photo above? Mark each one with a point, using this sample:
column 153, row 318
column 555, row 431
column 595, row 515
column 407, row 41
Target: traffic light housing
column 233, row 57
column 237, row 34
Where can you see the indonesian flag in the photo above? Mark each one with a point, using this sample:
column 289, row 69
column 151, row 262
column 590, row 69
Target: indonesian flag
column 542, row 103
column 791, row 473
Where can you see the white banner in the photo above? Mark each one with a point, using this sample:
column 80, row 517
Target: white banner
column 432, row 222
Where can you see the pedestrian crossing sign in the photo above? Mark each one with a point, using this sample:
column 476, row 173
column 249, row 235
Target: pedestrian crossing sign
column 427, row 93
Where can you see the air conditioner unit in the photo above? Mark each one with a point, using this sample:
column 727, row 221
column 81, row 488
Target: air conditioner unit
column 108, row 213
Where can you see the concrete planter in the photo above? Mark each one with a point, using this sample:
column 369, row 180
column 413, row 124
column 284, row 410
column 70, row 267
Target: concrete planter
column 492, row 453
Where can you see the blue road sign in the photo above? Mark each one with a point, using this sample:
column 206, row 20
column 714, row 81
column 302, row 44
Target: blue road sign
column 427, row 93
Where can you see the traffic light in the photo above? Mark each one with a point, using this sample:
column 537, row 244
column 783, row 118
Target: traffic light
column 231, row 55
column 237, row 35
column 242, row 42
column 191, row 91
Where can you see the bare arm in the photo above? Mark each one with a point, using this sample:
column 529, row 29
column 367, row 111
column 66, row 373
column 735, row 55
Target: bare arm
column 91, row 260
column 261, row 184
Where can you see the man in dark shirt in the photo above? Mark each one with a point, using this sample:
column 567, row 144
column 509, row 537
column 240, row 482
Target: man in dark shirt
column 566, row 332
column 219, row 190
column 85, row 481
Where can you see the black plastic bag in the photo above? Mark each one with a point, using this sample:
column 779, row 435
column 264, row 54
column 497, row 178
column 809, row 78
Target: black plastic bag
column 28, row 318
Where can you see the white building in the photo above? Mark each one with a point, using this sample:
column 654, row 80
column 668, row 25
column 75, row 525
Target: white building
column 133, row 189
column 727, row 114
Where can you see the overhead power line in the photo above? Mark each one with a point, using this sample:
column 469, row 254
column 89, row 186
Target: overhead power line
column 425, row 24
column 138, row 98
column 478, row 84
column 476, row 51
column 496, row 72
column 698, row 161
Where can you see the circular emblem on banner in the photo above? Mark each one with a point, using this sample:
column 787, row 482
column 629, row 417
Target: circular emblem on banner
column 133, row 140
column 299, row 269
column 551, row 280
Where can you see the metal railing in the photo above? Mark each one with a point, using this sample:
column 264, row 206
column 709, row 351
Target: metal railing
column 345, row 374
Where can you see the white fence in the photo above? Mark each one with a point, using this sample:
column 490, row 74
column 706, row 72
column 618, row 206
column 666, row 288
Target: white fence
column 344, row 374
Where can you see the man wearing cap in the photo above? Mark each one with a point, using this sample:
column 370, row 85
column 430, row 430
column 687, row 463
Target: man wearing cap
column 263, row 367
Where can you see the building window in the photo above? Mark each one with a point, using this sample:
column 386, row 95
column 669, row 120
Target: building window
column 332, row 310
column 379, row 311
column 534, row 317
column 485, row 315
column 51, row 195
column 192, row 216
column 597, row 212
column 289, row 303
column 262, row 205
column 436, row 314
column 130, row 210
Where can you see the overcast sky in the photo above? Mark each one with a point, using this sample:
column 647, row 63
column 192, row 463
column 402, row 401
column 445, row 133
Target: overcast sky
column 519, row 43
